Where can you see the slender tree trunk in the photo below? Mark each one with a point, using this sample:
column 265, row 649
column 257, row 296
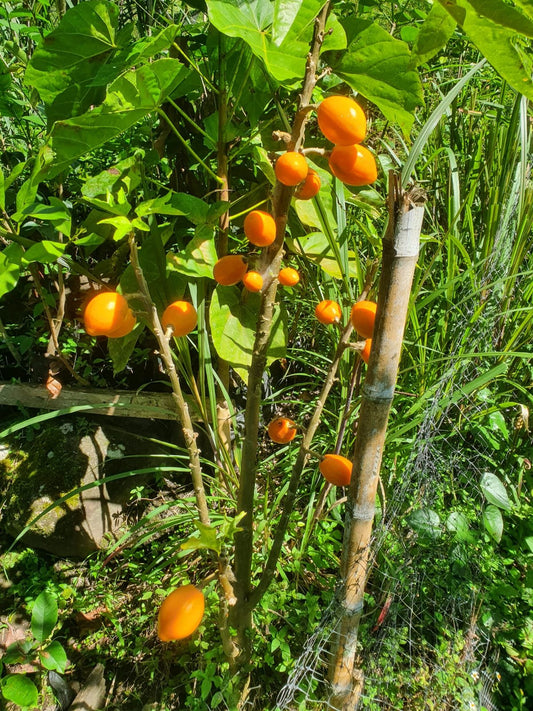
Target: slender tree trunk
column 400, row 252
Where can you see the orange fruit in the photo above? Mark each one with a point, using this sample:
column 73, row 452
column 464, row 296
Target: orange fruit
column 288, row 277
column 180, row 613
column 181, row 315
column 365, row 353
column 328, row 312
column 342, row 120
column 282, row 430
column 229, row 270
column 291, row 168
column 353, row 165
column 260, row 228
column 336, row 469
column 253, row 281
column 108, row 314
column 310, row 187
column 363, row 316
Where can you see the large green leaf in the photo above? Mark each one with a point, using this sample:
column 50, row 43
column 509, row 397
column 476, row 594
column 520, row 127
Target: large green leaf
column 379, row 67
column 199, row 256
column 43, row 616
column 499, row 32
column 193, row 208
column 493, row 522
column 54, row 657
column 10, row 260
column 281, row 43
column 494, row 491
column 233, row 320
column 129, row 99
column 63, row 67
column 426, row 523
column 19, row 689
column 435, row 31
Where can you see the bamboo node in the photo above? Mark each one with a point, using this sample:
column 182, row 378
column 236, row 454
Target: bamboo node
column 364, row 513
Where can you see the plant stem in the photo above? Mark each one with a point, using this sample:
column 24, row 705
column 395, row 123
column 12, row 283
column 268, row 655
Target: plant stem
column 241, row 613
column 181, row 405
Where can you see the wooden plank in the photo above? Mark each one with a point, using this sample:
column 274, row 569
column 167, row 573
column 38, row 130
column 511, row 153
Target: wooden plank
column 124, row 403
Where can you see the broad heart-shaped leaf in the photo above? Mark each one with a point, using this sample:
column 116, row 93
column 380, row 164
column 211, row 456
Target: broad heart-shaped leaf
column 63, row 67
column 56, row 212
column 494, row 491
column 129, row 98
column 199, row 256
column 54, row 657
column 43, row 616
column 378, row 66
column 292, row 16
column 125, row 176
column 434, row 33
column 493, row 522
column 498, row 31
column 251, row 21
column 233, row 320
column 19, row 689
column 426, row 523
column 10, row 260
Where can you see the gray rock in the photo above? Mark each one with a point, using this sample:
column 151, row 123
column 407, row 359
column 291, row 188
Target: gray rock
column 65, row 455
column 91, row 696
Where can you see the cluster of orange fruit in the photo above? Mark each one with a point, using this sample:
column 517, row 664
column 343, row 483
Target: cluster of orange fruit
column 363, row 316
column 108, row 314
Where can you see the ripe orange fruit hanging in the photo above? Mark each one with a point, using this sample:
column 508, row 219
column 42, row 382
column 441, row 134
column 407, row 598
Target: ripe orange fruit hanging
column 180, row 613
column 182, row 316
column 336, row 469
column 342, row 120
column 365, row 353
column 260, row 228
column 363, row 316
column 288, row 277
column 353, row 165
column 328, row 312
column 291, row 168
column 108, row 314
column 310, row 187
column 253, row 281
column 229, row 270
column 282, row 430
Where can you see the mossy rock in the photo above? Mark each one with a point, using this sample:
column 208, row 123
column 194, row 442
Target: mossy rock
column 41, row 468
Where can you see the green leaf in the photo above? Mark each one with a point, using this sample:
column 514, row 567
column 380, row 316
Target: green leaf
column 494, row 491
column 54, row 657
column 434, row 33
column 63, row 67
column 379, row 67
column 231, row 526
column 199, row 257
column 426, row 523
column 2, row 191
column 152, row 259
column 207, row 539
column 250, row 21
column 498, row 31
column 43, row 616
column 19, row 689
column 122, row 226
column 457, row 523
column 45, row 252
column 493, row 522
column 129, row 99
column 316, row 248
column 120, row 349
column 233, row 326
column 193, row 208
column 10, row 260
column 56, row 212
column 125, row 175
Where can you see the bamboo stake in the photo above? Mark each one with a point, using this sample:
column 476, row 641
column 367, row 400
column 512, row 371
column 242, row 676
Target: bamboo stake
column 400, row 252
